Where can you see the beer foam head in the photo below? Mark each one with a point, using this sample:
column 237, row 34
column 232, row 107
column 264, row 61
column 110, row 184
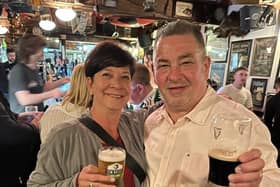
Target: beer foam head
column 222, row 154
column 111, row 155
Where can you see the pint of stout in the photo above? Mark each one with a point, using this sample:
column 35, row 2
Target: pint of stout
column 230, row 137
column 111, row 162
column 221, row 166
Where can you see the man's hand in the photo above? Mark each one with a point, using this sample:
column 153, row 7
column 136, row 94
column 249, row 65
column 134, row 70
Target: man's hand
column 89, row 176
column 249, row 172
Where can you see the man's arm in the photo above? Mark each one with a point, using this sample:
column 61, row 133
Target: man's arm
column 24, row 97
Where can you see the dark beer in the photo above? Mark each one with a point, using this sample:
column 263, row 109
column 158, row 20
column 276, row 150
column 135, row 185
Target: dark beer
column 221, row 166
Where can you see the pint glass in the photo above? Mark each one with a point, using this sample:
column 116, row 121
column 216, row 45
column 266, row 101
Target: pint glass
column 230, row 136
column 111, row 162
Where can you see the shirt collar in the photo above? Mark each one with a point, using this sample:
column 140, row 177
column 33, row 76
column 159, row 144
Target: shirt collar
column 200, row 112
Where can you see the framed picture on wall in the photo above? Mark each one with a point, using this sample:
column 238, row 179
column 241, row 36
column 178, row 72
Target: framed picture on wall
column 263, row 56
column 258, row 89
column 217, row 48
column 239, row 56
column 184, row 9
column 217, row 73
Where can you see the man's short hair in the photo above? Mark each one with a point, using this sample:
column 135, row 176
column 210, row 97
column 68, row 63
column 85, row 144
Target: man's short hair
column 141, row 75
column 239, row 69
column 10, row 50
column 182, row 27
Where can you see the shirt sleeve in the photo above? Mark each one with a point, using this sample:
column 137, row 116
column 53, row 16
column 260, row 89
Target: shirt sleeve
column 249, row 102
column 18, row 80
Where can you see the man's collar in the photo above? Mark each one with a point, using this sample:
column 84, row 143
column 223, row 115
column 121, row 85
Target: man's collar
column 199, row 113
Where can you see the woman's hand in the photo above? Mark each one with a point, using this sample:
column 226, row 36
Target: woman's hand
column 89, row 177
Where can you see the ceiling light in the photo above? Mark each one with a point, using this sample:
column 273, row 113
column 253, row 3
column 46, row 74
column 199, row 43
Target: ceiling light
column 3, row 30
column 47, row 25
column 46, row 22
column 65, row 14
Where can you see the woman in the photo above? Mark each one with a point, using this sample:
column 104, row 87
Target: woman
column 25, row 85
column 74, row 104
column 70, row 156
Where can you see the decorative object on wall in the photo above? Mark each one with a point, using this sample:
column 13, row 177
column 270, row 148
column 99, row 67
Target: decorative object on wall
column 217, row 73
column 263, row 56
column 217, row 48
column 258, row 89
column 184, row 9
column 239, row 56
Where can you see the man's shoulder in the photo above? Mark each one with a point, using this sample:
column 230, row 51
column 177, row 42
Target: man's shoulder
column 225, row 88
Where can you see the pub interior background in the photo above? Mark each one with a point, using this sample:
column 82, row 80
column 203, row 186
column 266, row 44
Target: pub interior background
column 237, row 32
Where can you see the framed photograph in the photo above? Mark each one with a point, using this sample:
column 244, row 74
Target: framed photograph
column 263, row 56
column 184, row 9
column 239, row 56
column 217, row 48
column 258, row 89
column 110, row 3
column 217, row 73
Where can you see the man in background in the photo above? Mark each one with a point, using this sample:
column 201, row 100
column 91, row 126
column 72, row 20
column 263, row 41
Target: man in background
column 5, row 69
column 272, row 117
column 142, row 95
column 236, row 91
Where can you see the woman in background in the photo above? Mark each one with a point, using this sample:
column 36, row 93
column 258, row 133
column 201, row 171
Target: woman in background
column 74, row 104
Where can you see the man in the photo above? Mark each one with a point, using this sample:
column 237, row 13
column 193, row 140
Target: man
column 177, row 135
column 142, row 95
column 236, row 91
column 5, row 69
column 148, row 62
column 272, row 116
column 26, row 87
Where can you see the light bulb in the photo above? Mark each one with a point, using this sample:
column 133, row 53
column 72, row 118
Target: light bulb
column 3, row 30
column 47, row 25
column 65, row 14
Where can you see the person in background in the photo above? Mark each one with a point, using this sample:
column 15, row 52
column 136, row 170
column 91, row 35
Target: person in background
column 272, row 117
column 25, row 85
column 142, row 95
column 236, row 91
column 69, row 155
column 5, row 69
column 177, row 135
column 19, row 144
column 60, row 67
column 147, row 61
column 74, row 104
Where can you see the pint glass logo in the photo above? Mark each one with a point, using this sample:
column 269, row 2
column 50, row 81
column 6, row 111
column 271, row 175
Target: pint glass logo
column 217, row 132
column 114, row 170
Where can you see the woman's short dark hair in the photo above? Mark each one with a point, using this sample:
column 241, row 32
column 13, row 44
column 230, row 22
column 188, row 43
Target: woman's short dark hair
column 107, row 54
column 28, row 45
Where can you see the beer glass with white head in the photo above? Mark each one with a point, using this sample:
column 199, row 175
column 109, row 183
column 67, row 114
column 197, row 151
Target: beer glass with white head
column 111, row 162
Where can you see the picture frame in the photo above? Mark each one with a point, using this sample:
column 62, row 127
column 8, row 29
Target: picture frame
column 258, row 91
column 239, row 56
column 217, row 73
column 184, row 9
column 263, row 57
column 110, row 3
column 217, row 48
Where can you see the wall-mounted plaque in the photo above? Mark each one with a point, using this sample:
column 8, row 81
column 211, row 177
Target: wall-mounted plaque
column 263, row 56
column 258, row 89
column 239, row 56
